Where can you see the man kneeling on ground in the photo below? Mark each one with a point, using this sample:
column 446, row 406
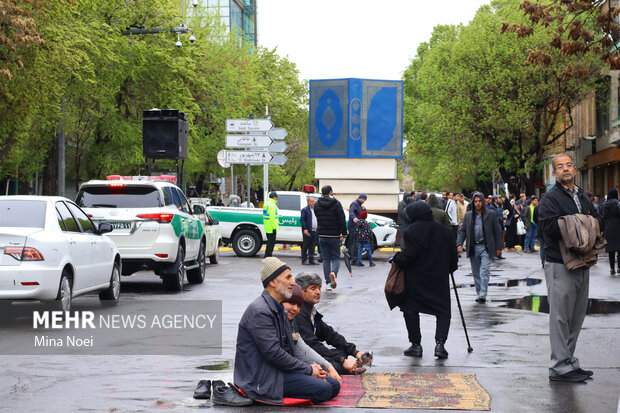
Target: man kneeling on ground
column 315, row 331
column 266, row 367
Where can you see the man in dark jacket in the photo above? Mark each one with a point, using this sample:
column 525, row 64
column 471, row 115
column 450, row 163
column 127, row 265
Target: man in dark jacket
column 315, row 331
column 309, row 226
column 567, row 290
column 355, row 209
column 266, row 367
column 438, row 213
column 481, row 231
column 428, row 257
column 332, row 228
column 403, row 221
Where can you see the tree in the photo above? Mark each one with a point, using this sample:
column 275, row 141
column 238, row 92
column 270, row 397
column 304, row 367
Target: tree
column 574, row 27
column 474, row 110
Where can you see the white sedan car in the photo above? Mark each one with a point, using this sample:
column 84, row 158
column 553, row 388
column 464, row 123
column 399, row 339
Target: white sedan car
column 51, row 250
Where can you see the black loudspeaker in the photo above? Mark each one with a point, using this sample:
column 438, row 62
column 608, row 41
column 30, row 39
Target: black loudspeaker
column 164, row 134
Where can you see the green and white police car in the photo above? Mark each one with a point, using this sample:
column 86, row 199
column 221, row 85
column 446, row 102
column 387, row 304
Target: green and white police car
column 154, row 226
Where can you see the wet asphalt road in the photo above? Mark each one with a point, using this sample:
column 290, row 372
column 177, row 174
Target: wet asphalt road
column 510, row 357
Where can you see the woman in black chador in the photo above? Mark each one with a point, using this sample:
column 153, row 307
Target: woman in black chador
column 428, row 257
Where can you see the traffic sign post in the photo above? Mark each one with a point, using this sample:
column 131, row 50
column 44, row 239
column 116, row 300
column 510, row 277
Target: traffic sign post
column 278, row 159
column 278, row 133
column 263, row 143
column 248, row 157
column 278, row 147
column 248, row 141
column 248, row 125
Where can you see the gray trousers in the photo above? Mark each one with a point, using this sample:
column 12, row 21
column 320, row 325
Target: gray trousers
column 481, row 269
column 568, row 300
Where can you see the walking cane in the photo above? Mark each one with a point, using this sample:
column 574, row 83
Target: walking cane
column 469, row 349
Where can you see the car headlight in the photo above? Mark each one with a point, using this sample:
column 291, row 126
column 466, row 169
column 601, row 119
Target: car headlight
column 381, row 222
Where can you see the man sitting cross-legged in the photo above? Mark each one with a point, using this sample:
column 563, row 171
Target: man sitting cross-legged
column 266, row 366
column 315, row 331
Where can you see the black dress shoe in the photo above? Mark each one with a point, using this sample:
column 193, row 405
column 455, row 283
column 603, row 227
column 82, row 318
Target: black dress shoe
column 588, row 373
column 217, row 383
column 612, row 272
column 303, row 262
column 203, row 390
column 440, row 351
column 570, row 377
column 414, row 351
column 227, row 396
column 481, row 300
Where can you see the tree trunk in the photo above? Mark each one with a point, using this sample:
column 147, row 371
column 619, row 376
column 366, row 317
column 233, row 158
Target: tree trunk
column 50, row 171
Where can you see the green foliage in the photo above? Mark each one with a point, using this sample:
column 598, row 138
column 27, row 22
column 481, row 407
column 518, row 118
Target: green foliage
column 88, row 77
column 472, row 107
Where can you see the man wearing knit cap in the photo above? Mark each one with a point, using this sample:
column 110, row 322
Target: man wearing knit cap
column 355, row 209
column 315, row 331
column 266, row 366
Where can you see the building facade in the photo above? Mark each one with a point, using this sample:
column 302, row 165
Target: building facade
column 239, row 16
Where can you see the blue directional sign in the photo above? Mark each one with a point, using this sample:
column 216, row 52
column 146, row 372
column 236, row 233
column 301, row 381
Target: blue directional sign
column 356, row 118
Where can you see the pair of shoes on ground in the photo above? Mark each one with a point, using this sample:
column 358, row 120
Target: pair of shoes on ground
column 222, row 394
column 203, row 388
column 416, row 350
column 481, row 300
column 575, row 376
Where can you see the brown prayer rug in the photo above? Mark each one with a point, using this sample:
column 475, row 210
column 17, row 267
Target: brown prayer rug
column 412, row 391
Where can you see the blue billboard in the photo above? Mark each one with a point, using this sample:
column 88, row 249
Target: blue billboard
column 356, row 118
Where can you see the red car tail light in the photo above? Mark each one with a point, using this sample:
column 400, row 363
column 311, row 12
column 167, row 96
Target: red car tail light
column 24, row 253
column 161, row 218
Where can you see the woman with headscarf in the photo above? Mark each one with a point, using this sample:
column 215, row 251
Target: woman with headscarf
column 611, row 213
column 428, row 257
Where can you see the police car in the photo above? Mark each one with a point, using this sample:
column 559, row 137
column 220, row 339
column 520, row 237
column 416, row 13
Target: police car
column 154, row 227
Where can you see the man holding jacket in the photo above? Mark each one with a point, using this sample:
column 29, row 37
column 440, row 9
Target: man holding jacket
column 266, row 366
column 567, row 290
column 332, row 229
column 481, row 230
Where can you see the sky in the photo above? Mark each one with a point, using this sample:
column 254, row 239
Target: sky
column 369, row 39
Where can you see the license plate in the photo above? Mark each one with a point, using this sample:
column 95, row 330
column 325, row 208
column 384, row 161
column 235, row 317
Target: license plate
column 121, row 225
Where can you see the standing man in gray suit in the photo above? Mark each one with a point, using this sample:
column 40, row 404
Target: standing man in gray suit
column 567, row 290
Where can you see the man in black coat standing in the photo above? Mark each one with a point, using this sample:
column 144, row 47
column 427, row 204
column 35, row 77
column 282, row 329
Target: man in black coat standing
column 428, row 258
column 483, row 234
column 332, row 228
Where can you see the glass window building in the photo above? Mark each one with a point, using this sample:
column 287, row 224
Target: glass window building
column 238, row 15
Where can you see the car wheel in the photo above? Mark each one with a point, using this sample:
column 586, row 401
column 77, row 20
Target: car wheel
column 215, row 258
column 110, row 296
column 197, row 275
column 174, row 282
column 64, row 297
column 246, row 243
